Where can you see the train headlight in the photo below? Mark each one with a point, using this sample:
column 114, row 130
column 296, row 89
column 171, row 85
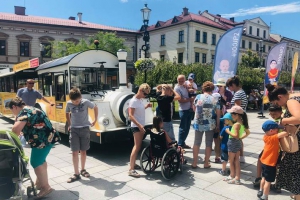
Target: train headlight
column 104, row 121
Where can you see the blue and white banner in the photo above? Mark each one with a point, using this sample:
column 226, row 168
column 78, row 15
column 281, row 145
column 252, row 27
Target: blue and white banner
column 227, row 54
column 274, row 63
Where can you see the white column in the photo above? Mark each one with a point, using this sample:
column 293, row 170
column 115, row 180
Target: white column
column 122, row 55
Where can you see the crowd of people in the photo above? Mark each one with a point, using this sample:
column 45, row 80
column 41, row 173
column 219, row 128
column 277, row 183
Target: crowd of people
column 218, row 112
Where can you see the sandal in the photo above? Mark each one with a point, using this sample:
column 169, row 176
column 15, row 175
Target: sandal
column 234, row 181
column 84, row 173
column 228, row 178
column 207, row 167
column 75, row 177
column 43, row 194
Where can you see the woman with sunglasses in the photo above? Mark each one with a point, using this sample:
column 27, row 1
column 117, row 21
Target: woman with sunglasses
column 289, row 172
column 225, row 99
column 136, row 113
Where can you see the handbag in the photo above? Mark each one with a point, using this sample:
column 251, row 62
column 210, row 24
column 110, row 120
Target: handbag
column 289, row 143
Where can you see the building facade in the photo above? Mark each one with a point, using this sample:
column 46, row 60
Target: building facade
column 191, row 38
column 21, row 35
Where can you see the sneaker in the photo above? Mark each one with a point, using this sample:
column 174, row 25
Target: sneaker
column 256, row 183
column 217, row 160
column 242, row 159
column 223, row 173
column 133, row 173
column 259, row 194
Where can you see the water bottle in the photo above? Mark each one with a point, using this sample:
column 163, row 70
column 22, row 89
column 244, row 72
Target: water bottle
column 23, row 140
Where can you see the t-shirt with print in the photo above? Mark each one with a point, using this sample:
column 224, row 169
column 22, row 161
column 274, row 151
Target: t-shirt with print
column 38, row 130
column 165, row 107
column 79, row 113
column 271, row 153
column 224, row 138
column 240, row 95
column 205, row 113
column 183, row 92
column 139, row 111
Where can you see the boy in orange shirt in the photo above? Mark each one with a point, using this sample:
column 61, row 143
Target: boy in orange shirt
column 269, row 156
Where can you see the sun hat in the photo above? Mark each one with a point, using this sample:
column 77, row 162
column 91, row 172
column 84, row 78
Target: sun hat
column 221, row 82
column 227, row 116
column 269, row 124
column 191, row 76
column 236, row 109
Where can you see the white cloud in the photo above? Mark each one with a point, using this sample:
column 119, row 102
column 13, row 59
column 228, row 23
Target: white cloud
column 293, row 7
column 124, row 1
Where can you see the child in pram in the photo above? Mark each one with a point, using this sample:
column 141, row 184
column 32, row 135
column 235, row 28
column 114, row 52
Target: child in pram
column 13, row 166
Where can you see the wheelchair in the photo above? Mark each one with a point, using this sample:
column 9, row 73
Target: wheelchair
column 159, row 154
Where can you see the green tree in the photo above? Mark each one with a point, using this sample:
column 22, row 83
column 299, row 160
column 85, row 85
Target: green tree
column 107, row 41
column 250, row 59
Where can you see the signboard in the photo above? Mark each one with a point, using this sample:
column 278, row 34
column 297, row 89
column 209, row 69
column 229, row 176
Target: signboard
column 33, row 63
column 4, row 65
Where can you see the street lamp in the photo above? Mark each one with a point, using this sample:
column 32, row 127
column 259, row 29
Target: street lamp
column 146, row 14
column 42, row 49
column 261, row 42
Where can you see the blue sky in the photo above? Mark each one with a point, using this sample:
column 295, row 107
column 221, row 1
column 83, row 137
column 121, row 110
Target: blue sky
column 283, row 14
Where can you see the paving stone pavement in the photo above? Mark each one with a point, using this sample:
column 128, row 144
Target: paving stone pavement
column 108, row 165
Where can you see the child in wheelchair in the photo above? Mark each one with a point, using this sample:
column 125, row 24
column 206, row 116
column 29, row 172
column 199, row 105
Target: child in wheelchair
column 157, row 129
column 162, row 152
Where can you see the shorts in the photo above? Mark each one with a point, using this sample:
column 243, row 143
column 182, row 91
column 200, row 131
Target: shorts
column 224, row 156
column 268, row 172
column 134, row 129
column 38, row 156
column 208, row 138
column 80, row 138
column 234, row 145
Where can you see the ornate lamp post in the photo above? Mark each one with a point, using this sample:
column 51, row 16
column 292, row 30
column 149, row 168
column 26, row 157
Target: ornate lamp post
column 146, row 14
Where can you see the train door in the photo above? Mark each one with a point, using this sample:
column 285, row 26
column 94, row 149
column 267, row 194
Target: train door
column 60, row 97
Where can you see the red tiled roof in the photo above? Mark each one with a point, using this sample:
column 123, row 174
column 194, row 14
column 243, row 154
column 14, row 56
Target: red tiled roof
column 222, row 19
column 57, row 22
column 193, row 17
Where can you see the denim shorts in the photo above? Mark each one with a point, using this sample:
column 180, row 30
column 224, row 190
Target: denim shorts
column 224, row 156
column 134, row 129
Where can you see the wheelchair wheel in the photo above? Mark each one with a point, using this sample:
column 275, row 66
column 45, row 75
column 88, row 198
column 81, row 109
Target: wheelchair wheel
column 170, row 164
column 148, row 162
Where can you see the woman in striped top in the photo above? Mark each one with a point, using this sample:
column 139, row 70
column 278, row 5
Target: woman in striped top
column 239, row 99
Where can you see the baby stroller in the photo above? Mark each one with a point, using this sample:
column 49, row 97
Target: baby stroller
column 159, row 154
column 13, row 167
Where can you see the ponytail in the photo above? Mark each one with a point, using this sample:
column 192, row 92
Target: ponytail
column 245, row 120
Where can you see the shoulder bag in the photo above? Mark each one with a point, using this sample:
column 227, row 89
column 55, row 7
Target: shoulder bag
column 289, row 143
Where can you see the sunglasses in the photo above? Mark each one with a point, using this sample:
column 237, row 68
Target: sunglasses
column 219, row 86
column 31, row 83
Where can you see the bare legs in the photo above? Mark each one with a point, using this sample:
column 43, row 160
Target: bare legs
column 217, row 147
column 235, row 168
column 138, row 138
column 195, row 155
column 75, row 157
column 42, row 178
column 207, row 156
